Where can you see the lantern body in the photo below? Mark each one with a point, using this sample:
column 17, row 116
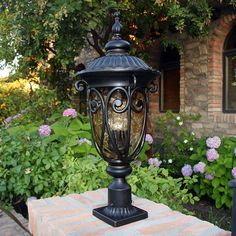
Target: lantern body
column 118, row 86
column 118, row 118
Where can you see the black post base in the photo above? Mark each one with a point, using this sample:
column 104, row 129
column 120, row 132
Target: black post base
column 118, row 216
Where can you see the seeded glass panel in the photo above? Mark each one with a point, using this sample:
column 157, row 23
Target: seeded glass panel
column 118, row 117
column 138, row 118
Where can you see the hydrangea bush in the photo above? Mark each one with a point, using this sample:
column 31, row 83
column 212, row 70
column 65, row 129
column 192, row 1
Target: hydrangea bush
column 214, row 162
column 32, row 157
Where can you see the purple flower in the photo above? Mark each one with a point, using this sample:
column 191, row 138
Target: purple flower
column 154, row 161
column 70, row 112
column 8, row 120
column 44, row 130
column 212, row 155
column 234, row 172
column 138, row 163
column 209, row 176
column 186, row 170
column 213, row 142
column 235, row 152
column 84, row 140
column 199, row 167
column 149, row 139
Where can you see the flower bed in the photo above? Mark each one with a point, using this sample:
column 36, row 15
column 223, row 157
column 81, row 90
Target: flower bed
column 209, row 159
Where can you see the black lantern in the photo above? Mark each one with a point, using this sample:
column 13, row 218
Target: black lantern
column 118, row 87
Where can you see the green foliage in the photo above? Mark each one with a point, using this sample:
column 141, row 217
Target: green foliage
column 60, row 164
column 45, row 36
column 221, row 168
column 23, row 97
column 177, row 143
column 35, row 166
column 156, row 184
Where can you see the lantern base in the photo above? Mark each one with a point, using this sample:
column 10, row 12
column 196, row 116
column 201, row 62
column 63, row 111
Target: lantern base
column 117, row 216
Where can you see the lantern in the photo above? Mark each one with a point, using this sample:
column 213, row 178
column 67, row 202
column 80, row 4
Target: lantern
column 118, row 86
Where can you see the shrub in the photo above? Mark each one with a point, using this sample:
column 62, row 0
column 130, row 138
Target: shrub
column 219, row 158
column 21, row 97
column 13, row 98
column 177, row 142
column 32, row 164
column 58, row 159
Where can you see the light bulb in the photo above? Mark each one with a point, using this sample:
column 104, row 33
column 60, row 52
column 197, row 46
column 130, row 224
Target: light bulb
column 118, row 121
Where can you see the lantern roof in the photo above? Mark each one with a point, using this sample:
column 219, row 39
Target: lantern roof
column 117, row 62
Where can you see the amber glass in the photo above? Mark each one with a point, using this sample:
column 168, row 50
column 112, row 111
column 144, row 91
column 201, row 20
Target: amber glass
column 117, row 118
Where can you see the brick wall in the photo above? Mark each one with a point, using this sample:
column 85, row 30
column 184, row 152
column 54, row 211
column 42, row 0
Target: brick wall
column 201, row 73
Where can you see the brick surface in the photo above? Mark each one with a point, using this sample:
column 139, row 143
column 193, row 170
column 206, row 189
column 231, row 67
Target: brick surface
column 72, row 216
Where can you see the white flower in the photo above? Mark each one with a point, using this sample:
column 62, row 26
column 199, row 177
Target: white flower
column 178, row 118
column 170, row 161
column 180, row 123
column 190, row 149
column 185, row 141
column 84, row 140
column 193, row 133
column 27, row 171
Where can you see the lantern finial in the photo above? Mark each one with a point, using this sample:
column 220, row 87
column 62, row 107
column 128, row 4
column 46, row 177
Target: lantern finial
column 117, row 44
column 117, row 26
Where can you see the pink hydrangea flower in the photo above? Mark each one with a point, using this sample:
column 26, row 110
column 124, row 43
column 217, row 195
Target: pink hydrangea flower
column 154, row 161
column 209, row 176
column 149, row 139
column 234, row 172
column 212, row 155
column 213, row 142
column 199, row 167
column 70, row 112
column 186, row 170
column 44, row 130
column 138, row 163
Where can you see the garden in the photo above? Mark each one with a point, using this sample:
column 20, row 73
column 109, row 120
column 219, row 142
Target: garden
column 46, row 150
column 46, row 146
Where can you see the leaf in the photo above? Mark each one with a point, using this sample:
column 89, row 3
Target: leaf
column 86, row 126
column 215, row 182
column 59, row 129
column 51, row 138
column 228, row 163
column 54, row 117
column 15, row 130
column 75, row 125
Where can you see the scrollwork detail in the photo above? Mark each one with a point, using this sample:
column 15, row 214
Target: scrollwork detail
column 119, row 105
column 95, row 100
column 153, row 86
column 80, row 85
column 137, row 105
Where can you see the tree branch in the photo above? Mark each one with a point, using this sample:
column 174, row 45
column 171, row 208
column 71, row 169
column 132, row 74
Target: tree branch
column 95, row 43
